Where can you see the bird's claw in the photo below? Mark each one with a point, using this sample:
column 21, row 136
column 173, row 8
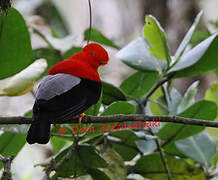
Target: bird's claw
column 81, row 117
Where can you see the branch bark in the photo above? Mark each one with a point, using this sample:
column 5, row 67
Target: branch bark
column 7, row 167
column 118, row 118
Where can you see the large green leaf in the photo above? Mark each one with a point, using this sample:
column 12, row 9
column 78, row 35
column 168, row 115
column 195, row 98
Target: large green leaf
column 187, row 37
column 83, row 158
column 15, row 45
column 189, row 97
column 97, row 174
column 173, row 99
column 57, row 143
column 155, row 35
column 97, row 36
column 52, row 15
column 119, row 108
column 200, row 148
column 172, row 149
column 52, row 56
column 199, row 36
column 151, row 167
column 11, row 144
column 127, row 144
column 205, row 110
column 116, row 168
column 137, row 55
column 111, row 94
column 212, row 95
column 146, row 146
column 202, row 58
column 139, row 83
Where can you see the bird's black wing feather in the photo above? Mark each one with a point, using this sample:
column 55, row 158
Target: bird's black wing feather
column 61, row 104
column 70, row 103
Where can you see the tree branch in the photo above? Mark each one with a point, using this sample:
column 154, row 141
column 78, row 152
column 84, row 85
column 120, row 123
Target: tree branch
column 118, row 118
column 7, row 167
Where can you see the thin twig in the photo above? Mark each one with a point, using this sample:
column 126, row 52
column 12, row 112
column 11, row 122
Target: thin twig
column 43, row 37
column 90, row 21
column 7, row 167
column 154, row 88
column 53, row 165
column 68, row 155
column 162, row 156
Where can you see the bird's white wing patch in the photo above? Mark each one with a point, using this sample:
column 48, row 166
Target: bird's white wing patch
column 53, row 85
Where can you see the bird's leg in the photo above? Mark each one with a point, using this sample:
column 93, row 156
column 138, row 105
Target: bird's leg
column 81, row 117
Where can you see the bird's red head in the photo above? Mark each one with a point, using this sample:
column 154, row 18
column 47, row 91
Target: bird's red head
column 98, row 52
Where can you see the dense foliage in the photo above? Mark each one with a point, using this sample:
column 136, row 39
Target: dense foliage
column 189, row 151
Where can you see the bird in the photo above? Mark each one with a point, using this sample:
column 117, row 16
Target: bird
column 69, row 89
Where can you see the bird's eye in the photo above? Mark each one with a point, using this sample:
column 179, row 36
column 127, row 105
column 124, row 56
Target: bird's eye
column 92, row 54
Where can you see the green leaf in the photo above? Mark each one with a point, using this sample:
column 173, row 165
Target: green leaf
column 119, row 108
column 57, row 143
column 173, row 150
column 111, row 94
column 151, row 167
column 94, row 110
column 137, row 55
column 82, row 159
column 187, row 37
column 127, row 136
column 159, row 107
column 155, row 35
column 71, row 52
column 146, row 146
column 97, row 174
column 173, row 100
column 127, row 144
column 97, row 36
column 11, row 144
column 29, row 113
column 116, row 168
column 52, row 56
column 200, row 148
column 202, row 58
column 123, row 149
column 212, row 95
column 139, row 83
column 53, row 16
column 200, row 110
column 188, row 98
column 15, row 45
column 199, row 36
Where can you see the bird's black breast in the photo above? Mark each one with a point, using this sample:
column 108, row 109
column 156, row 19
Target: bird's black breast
column 68, row 104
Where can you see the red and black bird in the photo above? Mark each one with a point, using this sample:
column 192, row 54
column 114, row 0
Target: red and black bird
column 69, row 89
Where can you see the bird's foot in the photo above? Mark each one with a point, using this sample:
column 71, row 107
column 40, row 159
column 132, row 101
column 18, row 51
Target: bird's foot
column 81, row 117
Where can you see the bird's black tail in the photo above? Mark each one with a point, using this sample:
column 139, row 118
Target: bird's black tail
column 39, row 131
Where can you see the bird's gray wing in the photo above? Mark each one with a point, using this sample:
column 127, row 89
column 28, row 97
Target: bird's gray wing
column 54, row 85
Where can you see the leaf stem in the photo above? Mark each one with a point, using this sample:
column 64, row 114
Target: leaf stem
column 162, row 156
column 43, row 37
column 90, row 22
